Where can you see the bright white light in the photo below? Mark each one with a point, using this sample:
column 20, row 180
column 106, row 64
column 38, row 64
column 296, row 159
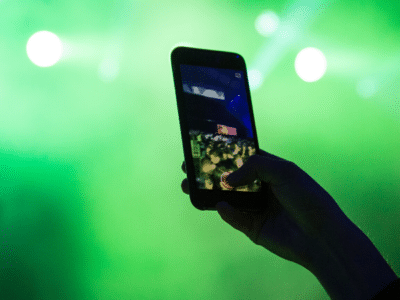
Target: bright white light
column 108, row 69
column 310, row 64
column 44, row 48
column 255, row 79
column 267, row 23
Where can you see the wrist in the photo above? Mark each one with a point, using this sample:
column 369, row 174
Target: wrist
column 349, row 266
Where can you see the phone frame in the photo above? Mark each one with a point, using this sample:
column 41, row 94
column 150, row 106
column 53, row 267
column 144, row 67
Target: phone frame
column 204, row 199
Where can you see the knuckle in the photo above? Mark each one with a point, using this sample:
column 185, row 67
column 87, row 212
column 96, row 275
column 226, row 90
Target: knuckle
column 291, row 167
column 252, row 163
column 289, row 170
column 253, row 160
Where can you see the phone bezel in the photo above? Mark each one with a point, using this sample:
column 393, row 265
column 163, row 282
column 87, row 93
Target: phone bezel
column 207, row 199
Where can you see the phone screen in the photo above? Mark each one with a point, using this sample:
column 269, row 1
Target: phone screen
column 219, row 123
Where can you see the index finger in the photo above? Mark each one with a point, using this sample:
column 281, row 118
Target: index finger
column 266, row 167
column 269, row 155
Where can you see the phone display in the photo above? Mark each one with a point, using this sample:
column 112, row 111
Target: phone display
column 220, row 129
column 217, row 126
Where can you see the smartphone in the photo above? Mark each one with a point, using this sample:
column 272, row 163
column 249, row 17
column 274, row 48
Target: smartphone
column 217, row 126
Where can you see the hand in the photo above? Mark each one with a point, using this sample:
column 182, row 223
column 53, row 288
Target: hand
column 303, row 224
column 299, row 211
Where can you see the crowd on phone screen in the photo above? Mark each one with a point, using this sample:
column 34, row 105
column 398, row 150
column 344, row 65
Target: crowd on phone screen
column 220, row 155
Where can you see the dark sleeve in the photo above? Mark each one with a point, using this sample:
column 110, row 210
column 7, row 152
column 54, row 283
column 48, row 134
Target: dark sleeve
column 392, row 291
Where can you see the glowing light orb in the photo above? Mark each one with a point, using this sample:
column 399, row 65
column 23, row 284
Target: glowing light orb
column 255, row 79
column 44, row 48
column 108, row 69
column 267, row 23
column 310, row 64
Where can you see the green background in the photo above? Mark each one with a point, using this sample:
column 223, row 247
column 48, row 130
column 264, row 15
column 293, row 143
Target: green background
column 91, row 205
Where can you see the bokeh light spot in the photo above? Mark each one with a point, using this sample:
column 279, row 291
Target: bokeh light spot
column 255, row 79
column 108, row 69
column 267, row 23
column 310, row 64
column 44, row 48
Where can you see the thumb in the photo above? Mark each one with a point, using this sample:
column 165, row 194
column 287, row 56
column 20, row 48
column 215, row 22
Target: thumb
column 246, row 174
column 234, row 217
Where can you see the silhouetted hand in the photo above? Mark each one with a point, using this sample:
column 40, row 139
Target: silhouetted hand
column 302, row 223
column 299, row 210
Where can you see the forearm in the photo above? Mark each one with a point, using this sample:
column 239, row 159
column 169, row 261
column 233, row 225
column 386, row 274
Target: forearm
column 349, row 266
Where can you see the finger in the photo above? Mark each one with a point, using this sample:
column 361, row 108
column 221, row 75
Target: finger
column 185, row 186
column 269, row 155
column 262, row 152
column 184, row 167
column 264, row 167
column 237, row 219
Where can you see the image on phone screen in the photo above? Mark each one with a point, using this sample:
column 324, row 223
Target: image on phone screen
column 220, row 128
